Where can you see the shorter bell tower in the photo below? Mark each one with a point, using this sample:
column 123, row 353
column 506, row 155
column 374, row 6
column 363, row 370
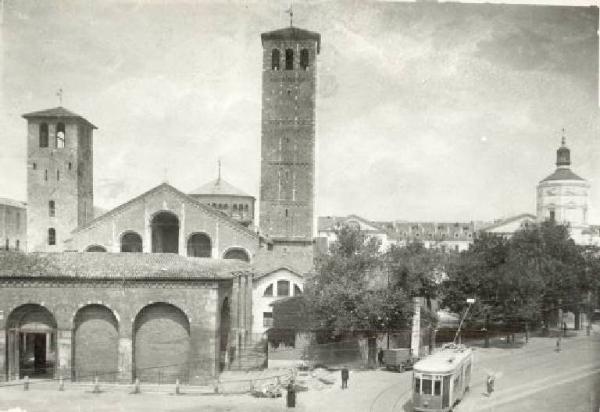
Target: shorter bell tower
column 60, row 193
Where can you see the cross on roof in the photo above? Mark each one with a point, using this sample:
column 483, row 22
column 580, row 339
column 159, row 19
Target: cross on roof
column 290, row 11
column 59, row 93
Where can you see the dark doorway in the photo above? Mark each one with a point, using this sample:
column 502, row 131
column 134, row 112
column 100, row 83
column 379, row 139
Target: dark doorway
column 33, row 361
column 199, row 245
column 131, row 242
column 165, row 233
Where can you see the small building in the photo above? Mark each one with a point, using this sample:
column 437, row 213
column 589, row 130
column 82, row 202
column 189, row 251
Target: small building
column 13, row 224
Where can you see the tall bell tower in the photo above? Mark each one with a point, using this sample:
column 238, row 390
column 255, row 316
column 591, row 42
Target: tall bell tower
column 288, row 140
column 59, row 177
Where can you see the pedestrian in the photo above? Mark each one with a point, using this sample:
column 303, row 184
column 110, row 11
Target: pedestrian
column 345, row 376
column 490, row 384
column 291, row 395
column 565, row 329
column 380, row 357
column 558, row 344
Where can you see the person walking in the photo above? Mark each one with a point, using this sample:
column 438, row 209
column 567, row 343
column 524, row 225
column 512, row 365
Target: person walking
column 345, row 376
column 490, row 384
column 380, row 357
column 558, row 344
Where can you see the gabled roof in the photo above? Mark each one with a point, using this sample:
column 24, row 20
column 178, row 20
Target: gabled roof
column 562, row 174
column 219, row 187
column 262, row 273
column 292, row 33
column 509, row 220
column 165, row 186
column 89, row 265
column 11, row 202
column 57, row 113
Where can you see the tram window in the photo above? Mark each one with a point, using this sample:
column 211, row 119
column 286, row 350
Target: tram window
column 426, row 386
column 437, row 388
column 417, row 385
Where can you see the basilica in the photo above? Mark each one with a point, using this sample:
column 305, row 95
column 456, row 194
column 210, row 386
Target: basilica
column 168, row 285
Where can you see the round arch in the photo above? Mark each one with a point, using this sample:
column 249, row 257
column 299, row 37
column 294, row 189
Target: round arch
column 95, row 344
column 238, row 253
column 131, row 242
column 95, row 248
column 31, row 341
column 162, row 344
column 199, row 244
column 165, row 232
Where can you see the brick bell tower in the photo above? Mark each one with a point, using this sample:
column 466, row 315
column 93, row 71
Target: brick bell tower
column 288, row 141
column 59, row 177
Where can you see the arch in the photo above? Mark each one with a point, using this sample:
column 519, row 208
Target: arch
column 304, row 59
column 224, row 333
column 162, row 345
column 165, row 233
column 275, row 59
column 199, row 245
column 237, row 253
column 95, row 344
column 131, row 242
column 44, row 135
column 31, row 342
column 95, row 248
column 289, row 59
column 60, row 135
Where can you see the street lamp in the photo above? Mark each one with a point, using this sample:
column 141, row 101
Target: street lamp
column 470, row 302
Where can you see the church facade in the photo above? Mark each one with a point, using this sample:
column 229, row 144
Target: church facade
column 163, row 286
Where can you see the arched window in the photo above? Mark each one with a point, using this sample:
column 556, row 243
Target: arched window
column 235, row 208
column 43, row 135
column 289, row 59
column 239, row 254
column 51, row 236
column 131, row 242
column 269, row 290
column 60, row 135
column 275, row 57
column 96, row 248
column 199, row 245
column 304, row 59
column 283, row 288
column 297, row 290
column 51, row 208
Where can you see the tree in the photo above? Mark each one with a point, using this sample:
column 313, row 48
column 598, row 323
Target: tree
column 344, row 296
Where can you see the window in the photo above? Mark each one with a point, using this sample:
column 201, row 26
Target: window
column 552, row 215
column 417, row 385
column 246, row 208
column 51, row 208
column 267, row 319
column 34, row 166
column 7, row 244
column 297, row 290
column 283, row 288
column 234, row 207
column 51, row 236
column 275, row 57
column 426, row 386
column 60, row 135
column 18, row 221
column 304, row 59
column 286, row 213
column 17, row 245
column 46, row 175
column 269, row 291
column 57, row 175
column 437, row 388
column 289, row 59
column 70, row 165
column 43, row 135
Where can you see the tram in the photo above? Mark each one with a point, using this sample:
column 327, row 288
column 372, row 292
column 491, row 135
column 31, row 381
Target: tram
column 441, row 379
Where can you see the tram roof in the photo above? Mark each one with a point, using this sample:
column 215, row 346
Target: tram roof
column 443, row 361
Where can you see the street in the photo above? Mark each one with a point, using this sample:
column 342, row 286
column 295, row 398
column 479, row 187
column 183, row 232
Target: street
column 532, row 377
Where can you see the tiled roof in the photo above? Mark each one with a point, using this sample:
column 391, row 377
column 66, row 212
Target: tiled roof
column 84, row 265
column 562, row 174
column 292, row 33
column 219, row 187
column 57, row 112
column 11, row 202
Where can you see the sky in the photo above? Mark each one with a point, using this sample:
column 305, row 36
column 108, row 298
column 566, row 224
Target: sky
column 425, row 112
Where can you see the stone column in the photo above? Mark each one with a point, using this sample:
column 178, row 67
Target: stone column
column 147, row 240
column 125, row 355
column 64, row 353
column 3, row 358
column 13, row 354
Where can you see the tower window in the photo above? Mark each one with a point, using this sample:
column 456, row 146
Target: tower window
column 57, row 175
column 289, row 59
column 60, row 135
column 304, row 59
column 51, row 236
column 275, row 58
column 70, row 165
column 46, row 175
column 552, row 215
column 34, row 166
column 286, row 213
column 17, row 245
column 43, row 135
column 7, row 244
column 51, row 208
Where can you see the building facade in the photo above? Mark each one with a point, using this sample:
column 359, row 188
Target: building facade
column 13, row 225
